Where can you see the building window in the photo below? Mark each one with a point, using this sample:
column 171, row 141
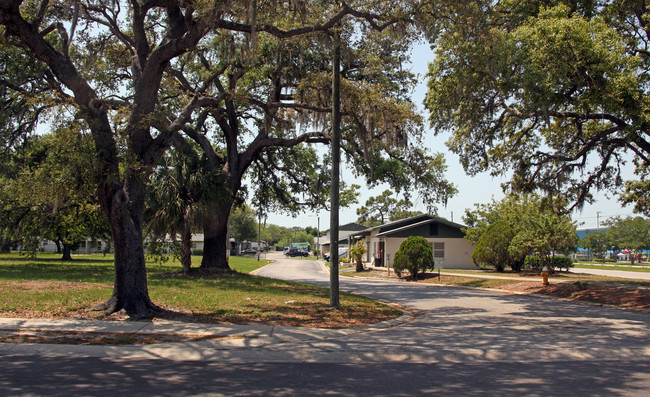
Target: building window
column 438, row 250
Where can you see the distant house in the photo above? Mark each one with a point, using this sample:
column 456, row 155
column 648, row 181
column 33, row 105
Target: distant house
column 344, row 232
column 450, row 248
column 88, row 246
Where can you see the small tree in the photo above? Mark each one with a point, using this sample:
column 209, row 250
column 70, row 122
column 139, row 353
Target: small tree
column 630, row 233
column 492, row 248
column 597, row 242
column 544, row 236
column 415, row 255
column 356, row 252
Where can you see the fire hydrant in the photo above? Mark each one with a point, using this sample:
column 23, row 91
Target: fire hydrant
column 544, row 275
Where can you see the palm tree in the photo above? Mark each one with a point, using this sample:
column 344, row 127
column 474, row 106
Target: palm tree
column 181, row 190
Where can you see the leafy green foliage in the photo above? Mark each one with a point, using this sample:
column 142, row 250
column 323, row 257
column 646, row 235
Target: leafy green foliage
column 297, row 235
column 536, row 263
column 239, row 79
column 383, row 208
column 545, row 235
column 597, row 242
column 243, row 225
column 47, row 194
column 554, row 92
column 415, row 255
column 23, row 78
column 182, row 192
column 273, row 234
column 492, row 248
column 357, row 252
column 632, row 233
column 506, row 231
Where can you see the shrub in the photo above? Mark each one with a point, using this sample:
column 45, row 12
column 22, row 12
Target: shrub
column 415, row 255
column 492, row 247
column 563, row 262
column 535, row 263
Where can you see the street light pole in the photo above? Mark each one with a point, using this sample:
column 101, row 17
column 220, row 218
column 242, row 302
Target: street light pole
column 336, row 158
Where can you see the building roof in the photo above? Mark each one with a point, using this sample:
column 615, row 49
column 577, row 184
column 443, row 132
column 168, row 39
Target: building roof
column 406, row 223
column 354, row 227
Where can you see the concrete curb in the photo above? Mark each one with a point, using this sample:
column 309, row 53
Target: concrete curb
column 236, row 337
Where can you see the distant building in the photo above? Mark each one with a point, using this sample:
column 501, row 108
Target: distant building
column 450, row 248
column 323, row 243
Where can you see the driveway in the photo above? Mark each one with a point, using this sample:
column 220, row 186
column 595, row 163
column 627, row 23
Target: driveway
column 468, row 325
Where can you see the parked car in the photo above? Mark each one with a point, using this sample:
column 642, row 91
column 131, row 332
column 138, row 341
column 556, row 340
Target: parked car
column 297, row 252
column 343, row 252
column 249, row 251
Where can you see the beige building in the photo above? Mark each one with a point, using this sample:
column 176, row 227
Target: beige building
column 450, row 248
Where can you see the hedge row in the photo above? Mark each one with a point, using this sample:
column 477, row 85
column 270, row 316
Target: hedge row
column 535, row 263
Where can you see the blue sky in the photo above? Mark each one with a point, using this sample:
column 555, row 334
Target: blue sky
column 479, row 189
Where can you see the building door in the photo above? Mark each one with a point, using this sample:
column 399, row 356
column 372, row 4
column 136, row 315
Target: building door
column 381, row 255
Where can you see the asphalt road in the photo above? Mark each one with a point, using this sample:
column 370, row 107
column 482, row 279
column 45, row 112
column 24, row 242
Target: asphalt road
column 460, row 342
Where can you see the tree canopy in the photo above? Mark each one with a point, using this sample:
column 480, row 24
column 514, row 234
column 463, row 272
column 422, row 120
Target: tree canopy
column 629, row 233
column 385, row 207
column 553, row 92
column 505, row 232
column 247, row 81
column 47, row 192
column 632, row 233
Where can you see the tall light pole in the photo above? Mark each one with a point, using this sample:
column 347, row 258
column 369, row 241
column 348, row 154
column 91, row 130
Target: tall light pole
column 336, row 159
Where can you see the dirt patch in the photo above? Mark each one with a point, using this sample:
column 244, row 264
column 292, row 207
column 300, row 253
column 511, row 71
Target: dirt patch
column 42, row 284
column 638, row 298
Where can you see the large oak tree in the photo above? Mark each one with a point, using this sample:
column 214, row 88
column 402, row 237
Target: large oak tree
column 144, row 74
column 554, row 93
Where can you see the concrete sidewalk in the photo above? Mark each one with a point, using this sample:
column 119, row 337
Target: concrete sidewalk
column 613, row 273
column 226, row 336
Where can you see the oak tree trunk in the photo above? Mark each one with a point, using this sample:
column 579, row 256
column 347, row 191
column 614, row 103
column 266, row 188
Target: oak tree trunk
column 67, row 248
column 215, row 243
column 130, row 292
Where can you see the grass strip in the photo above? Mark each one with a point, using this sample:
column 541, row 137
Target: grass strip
column 47, row 287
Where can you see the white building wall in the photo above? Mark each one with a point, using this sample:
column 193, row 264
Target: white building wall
column 458, row 251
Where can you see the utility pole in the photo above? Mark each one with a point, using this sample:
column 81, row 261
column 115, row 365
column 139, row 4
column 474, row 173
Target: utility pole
column 259, row 223
column 336, row 159
column 259, row 234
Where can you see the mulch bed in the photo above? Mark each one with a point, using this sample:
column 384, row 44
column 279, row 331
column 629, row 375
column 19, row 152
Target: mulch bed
column 638, row 298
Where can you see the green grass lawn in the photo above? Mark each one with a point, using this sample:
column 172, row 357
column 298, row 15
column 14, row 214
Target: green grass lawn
column 571, row 276
column 474, row 277
column 644, row 267
column 46, row 286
